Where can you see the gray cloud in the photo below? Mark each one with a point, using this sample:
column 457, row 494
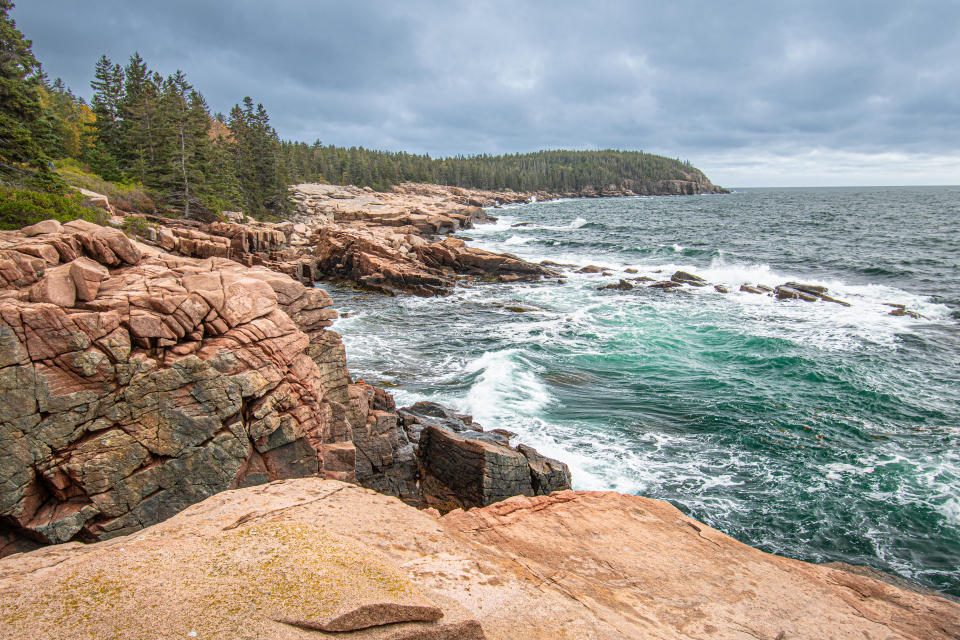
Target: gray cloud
column 855, row 79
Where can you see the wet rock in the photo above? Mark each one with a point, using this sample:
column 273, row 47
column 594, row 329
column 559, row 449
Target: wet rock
column 688, row 278
column 810, row 289
column 905, row 312
column 842, row 303
column 622, row 285
column 465, row 471
column 462, row 465
column 590, row 268
column 630, row 271
column 788, row 293
column 546, row 474
column 764, row 288
column 666, row 285
column 750, row 289
column 719, row 288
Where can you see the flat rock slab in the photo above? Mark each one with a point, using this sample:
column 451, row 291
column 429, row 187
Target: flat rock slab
column 571, row 565
column 259, row 575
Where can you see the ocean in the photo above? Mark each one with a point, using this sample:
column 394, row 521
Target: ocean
column 806, row 429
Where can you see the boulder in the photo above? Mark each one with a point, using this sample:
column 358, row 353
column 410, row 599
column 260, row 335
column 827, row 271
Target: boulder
column 56, row 287
column 470, row 468
column 623, row 285
column 688, row 278
column 788, row 293
column 666, row 285
column 87, row 276
column 45, row 226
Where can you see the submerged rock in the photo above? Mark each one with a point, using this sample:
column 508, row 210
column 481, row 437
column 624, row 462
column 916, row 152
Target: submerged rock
column 622, row 285
column 905, row 312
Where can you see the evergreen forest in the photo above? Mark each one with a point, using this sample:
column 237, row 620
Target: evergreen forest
column 151, row 143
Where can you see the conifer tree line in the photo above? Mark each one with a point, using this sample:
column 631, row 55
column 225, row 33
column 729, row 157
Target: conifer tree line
column 556, row 171
column 141, row 127
column 159, row 131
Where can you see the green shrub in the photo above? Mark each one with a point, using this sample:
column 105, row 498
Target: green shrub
column 22, row 207
column 125, row 196
column 136, row 226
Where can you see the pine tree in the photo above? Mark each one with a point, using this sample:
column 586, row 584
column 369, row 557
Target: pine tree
column 105, row 154
column 23, row 120
column 261, row 167
column 138, row 110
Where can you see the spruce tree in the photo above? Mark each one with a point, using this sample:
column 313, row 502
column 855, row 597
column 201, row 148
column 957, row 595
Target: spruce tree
column 138, row 110
column 261, row 167
column 184, row 151
column 106, row 148
column 23, row 121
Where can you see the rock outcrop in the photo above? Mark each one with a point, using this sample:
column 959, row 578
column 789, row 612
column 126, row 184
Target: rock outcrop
column 316, row 558
column 132, row 392
column 463, row 466
column 136, row 383
column 385, row 242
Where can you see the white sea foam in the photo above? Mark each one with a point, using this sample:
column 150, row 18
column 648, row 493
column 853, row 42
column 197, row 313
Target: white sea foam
column 503, row 387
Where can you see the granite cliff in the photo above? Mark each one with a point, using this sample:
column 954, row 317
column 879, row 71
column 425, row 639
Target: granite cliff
column 135, row 383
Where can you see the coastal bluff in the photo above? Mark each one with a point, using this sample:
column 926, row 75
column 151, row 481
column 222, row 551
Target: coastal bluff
column 313, row 558
column 135, row 383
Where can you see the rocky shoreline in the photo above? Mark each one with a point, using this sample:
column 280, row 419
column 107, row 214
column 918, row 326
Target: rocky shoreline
column 136, row 383
column 180, row 363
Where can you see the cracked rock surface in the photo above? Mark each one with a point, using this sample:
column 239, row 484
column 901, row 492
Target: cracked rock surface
column 313, row 558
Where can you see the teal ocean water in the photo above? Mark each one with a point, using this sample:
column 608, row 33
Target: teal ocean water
column 810, row 430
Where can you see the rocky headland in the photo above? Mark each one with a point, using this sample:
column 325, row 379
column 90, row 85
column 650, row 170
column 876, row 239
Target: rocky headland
column 393, row 242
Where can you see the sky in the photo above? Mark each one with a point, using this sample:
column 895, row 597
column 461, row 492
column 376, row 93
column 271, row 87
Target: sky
column 805, row 93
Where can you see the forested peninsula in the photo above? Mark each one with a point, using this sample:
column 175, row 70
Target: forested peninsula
column 152, row 144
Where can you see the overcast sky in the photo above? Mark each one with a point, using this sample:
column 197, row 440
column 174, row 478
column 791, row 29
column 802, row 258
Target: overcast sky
column 841, row 92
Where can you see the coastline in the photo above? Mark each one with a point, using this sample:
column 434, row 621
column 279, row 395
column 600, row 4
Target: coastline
column 358, row 435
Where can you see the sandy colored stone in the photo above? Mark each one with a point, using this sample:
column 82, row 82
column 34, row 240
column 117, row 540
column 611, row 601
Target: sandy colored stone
column 45, row 226
column 218, row 572
column 561, row 567
column 87, row 276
